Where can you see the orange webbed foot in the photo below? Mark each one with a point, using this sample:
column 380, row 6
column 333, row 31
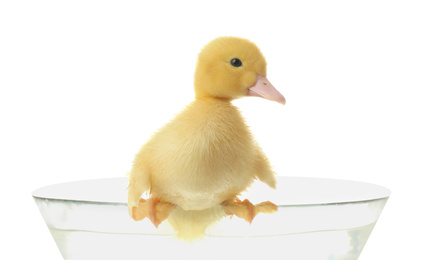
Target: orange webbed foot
column 154, row 209
column 246, row 210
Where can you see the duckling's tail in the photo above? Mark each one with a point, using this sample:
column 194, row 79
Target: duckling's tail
column 191, row 224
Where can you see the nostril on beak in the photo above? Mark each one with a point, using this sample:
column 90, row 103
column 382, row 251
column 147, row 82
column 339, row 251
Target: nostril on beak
column 265, row 83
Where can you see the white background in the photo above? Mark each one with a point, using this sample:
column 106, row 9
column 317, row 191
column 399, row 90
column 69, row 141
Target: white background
column 85, row 83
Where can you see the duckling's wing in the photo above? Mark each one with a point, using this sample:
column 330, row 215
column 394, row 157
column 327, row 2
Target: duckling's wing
column 139, row 182
column 263, row 169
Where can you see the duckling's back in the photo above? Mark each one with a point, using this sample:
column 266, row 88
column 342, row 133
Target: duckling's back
column 204, row 156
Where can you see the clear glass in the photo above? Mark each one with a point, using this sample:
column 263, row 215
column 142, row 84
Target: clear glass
column 316, row 219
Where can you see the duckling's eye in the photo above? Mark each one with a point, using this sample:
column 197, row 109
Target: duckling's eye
column 236, row 62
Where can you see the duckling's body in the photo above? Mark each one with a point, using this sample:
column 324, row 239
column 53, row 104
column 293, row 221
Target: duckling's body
column 203, row 157
column 196, row 165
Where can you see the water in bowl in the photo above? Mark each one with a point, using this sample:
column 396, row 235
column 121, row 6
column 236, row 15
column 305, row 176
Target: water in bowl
column 324, row 221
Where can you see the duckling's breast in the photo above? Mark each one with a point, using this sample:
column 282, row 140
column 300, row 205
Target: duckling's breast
column 207, row 157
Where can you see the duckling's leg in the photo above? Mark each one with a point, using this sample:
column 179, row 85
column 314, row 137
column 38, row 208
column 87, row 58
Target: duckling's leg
column 154, row 209
column 246, row 210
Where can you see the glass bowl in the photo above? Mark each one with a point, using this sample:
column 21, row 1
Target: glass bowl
column 316, row 219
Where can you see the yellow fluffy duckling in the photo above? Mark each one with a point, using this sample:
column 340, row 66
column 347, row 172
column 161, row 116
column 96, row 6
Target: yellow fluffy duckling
column 196, row 165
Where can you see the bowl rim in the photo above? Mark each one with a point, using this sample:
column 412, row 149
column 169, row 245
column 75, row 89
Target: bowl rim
column 41, row 193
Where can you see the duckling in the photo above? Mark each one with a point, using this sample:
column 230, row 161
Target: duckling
column 195, row 166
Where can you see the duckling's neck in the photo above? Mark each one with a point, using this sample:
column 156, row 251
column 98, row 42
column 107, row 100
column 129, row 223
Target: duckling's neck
column 212, row 99
column 215, row 109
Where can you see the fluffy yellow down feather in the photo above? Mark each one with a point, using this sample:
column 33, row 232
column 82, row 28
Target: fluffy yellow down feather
column 206, row 155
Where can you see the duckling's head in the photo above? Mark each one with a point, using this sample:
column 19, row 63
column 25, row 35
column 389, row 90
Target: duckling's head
column 230, row 68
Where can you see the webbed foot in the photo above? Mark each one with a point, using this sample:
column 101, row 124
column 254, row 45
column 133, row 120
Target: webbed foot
column 154, row 209
column 246, row 210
